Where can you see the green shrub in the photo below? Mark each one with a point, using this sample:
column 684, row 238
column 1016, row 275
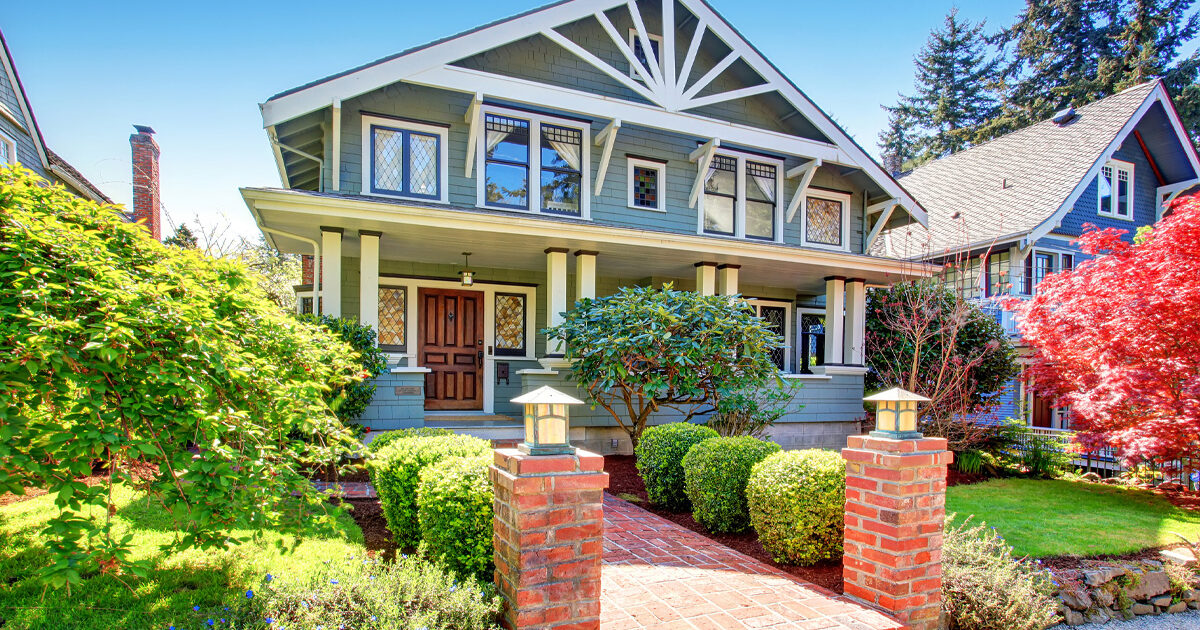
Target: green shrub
column 984, row 587
column 715, row 474
column 363, row 593
column 797, row 503
column 660, row 461
column 387, row 437
column 454, row 508
column 396, row 469
column 350, row 401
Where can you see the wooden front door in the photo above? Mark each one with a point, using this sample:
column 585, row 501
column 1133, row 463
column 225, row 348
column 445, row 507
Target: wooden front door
column 450, row 328
column 1043, row 412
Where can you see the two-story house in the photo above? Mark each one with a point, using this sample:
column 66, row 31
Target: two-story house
column 1003, row 214
column 460, row 196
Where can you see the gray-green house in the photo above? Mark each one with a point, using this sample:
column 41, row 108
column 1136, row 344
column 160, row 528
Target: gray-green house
column 572, row 150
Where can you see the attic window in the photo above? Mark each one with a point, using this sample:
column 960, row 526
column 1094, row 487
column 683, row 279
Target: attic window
column 8, row 149
column 1114, row 190
column 639, row 53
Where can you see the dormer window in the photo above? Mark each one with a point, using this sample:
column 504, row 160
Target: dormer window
column 404, row 159
column 521, row 149
column 1114, row 190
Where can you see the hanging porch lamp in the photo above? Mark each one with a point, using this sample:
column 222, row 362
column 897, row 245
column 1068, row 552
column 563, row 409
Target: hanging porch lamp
column 547, row 425
column 896, row 414
column 468, row 276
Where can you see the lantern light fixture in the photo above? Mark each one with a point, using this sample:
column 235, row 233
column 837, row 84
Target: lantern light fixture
column 896, row 414
column 547, row 425
column 468, row 276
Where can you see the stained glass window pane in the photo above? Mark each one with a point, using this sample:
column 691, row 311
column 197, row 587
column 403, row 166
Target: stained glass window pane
column 389, row 159
column 645, row 187
column 824, row 221
column 510, row 324
column 423, row 153
column 393, row 308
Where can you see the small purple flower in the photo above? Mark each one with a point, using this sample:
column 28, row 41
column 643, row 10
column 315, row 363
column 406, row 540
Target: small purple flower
column 334, row 581
column 269, row 620
column 270, row 577
column 250, row 594
column 196, row 608
column 209, row 622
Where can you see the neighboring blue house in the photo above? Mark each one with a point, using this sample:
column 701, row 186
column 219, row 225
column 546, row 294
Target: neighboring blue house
column 1004, row 213
column 572, row 150
column 21, row 140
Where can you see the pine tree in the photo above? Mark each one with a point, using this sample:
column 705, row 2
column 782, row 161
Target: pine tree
column 183, row 238
column 898, row 144
column 954, row 88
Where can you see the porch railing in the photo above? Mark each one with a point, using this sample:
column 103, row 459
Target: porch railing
column 1006, row 319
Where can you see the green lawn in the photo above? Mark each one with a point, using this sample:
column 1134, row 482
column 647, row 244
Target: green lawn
column 1043, row 518
column 211, row 579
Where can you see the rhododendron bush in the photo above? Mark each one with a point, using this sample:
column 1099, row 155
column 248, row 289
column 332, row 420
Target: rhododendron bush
column 121, row 355
column 1118, row 339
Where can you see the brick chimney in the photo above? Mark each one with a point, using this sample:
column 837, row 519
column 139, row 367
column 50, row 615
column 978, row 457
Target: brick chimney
column 147, row 200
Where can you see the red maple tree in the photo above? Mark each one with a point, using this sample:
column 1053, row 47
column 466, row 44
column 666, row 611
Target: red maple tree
column 1118, row 339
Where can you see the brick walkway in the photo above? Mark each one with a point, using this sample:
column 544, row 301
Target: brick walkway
column 659, row 575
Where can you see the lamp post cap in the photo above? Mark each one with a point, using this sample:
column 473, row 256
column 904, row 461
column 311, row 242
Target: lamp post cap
column 546, row 395
column 896, row 394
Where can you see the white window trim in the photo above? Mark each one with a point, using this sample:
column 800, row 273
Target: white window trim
column 1111, row 212
column 11, row 143
column 829, row 195
column 300, row 296
column 535, row 160
column 661, row 168
column 443, row 134
column 789, row 348
column 1057, row 253
column 633, row 37
column 739, row 205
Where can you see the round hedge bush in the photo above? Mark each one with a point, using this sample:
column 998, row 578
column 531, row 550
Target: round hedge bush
column 660, row 454
column 797, row 503
column 396, row 469
column 387, row 437
column 715, row 473
column 454, row 508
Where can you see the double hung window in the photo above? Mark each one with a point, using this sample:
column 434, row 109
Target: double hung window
column 523, row 150
column 741, row 197
column 1114, row 190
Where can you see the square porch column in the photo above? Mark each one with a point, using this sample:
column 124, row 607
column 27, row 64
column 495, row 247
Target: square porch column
column 706, row 278
column 835, row 324
column 556, row 294
column 368, row 284
column 856, row 321
column 727, row 279
column 331, row 271
column 585, row 274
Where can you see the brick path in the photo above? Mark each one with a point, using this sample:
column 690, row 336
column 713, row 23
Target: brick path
column 659, row 575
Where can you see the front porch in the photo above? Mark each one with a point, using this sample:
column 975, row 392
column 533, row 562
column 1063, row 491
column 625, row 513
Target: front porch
column 460, row 352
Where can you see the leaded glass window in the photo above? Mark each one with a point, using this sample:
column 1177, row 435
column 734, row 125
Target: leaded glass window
column 720, row 195
column 393, row 318
column 776, row 318
column 306, row 305
column 645, row 187
column 823, row 221
column 405, row 162
column 561, row 157
column 506, row 162
column 510, row 324
column 760, row 200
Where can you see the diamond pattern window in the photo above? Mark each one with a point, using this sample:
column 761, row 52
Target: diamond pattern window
column 393, row 316
column 720, row 195
column 510, row 324
column 823, row 221
column 405, row 162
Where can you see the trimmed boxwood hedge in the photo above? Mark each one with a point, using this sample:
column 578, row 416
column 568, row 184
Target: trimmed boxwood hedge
column 454, row 508
column 396, row 469
column 387, row 437
column 797, row 504
column 715, row 475
column 660, row 461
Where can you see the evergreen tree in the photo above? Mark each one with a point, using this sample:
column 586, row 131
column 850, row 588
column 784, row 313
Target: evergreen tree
column 899, row 142
column 183, row 238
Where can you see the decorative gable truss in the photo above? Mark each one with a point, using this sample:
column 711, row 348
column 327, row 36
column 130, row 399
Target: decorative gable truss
column 664, row 89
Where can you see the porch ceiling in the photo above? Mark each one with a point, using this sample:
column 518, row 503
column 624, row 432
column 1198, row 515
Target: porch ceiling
column 439, row 234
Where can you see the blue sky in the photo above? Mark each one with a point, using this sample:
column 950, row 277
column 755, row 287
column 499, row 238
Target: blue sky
column 195, row 72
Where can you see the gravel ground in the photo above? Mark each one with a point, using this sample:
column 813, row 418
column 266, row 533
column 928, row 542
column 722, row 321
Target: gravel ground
column 1182, row 621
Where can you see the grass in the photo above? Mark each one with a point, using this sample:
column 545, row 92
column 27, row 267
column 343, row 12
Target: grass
column 210, row 579
column 1043, row 518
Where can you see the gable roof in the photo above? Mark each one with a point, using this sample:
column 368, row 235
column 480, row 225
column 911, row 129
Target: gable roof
column 670, row 96
column 51, row 162
column 1018, row 186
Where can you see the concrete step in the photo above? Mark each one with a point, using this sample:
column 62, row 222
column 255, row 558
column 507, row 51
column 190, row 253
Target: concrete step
column 457, row 421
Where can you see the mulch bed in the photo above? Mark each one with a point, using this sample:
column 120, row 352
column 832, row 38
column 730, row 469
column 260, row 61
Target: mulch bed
column 368, row 514
column 624, row 482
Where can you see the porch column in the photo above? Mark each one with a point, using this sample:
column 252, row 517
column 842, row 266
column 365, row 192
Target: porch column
column 856, row 321
column 556, row 294
column 585, row 274
column 835, row 325
column 368, row 284
column 331, row 271
column 706, row 278
column 727, row 279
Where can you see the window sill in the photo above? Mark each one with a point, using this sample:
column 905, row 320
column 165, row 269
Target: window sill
column 484, row 206
column 382, row 195
column 806, row 377
column 645, row 209
column 828, row 248
column 1118, row 217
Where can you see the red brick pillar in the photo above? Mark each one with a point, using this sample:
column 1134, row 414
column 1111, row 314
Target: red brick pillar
column 895, row 510
column 549, row 529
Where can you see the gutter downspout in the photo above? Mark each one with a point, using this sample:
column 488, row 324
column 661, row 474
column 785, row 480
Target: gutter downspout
column 316, row 262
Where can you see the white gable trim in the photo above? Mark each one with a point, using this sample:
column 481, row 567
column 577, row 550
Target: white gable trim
column 430, row 65
column 30, row 124
column 1157, row 95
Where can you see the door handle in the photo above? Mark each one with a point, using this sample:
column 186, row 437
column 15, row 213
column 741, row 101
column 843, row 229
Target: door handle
column 479, row 359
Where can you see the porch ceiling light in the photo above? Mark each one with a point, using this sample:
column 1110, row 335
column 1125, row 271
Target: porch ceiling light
column 546, row 422
column 896, row 414
column 468, row 276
